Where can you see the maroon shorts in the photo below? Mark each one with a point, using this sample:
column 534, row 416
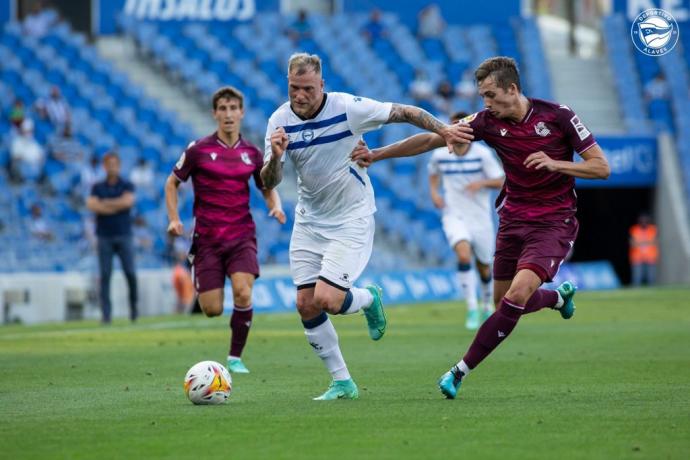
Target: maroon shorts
column 538, row 246
column 213, row 261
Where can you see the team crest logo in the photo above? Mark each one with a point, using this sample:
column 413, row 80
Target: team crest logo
column 654, row 32
column 307, row 135
column 541, row 129
column 245, row 158
column 469, row 118
column 214, row 155
column 504, row 132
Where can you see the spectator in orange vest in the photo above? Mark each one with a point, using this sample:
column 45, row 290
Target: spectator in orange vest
column 183, row 285
column 644, row 251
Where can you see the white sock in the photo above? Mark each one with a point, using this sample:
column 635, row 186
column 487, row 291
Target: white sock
column 469, row 287
column 233, row 357
column 361, row 298
column 488, row 295
column 324, row 340
column 559, row 302
column 462, row 367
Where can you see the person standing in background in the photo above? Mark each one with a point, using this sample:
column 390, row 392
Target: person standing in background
column 644, row 251
column 112, row 200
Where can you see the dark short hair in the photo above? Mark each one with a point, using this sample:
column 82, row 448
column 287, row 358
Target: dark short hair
column 503, row 69
column 227, row 92
column 111, row 155
column 458, row 115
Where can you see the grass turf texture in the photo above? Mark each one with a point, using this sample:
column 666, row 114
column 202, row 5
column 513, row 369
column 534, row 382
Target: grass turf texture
column 611, row 383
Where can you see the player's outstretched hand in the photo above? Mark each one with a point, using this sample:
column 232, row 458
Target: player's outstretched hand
column 278, row 214
column 540, row 160
column 279, row 142
column 175, row 228
column 457, row 133
column 362, row 155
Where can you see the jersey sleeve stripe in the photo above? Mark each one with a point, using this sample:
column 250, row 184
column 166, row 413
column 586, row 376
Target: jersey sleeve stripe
column 586, row 148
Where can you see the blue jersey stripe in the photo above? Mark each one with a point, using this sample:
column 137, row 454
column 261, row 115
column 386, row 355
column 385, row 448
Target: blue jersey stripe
column 461, row 160
column 354, row 173
column 316, row 124
column 319, row 140
column 468, row 171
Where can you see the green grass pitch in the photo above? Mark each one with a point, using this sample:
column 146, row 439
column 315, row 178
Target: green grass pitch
column 612, row 383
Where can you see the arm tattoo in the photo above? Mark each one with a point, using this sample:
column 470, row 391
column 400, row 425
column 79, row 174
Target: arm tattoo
column 272, row 173
column 401, row 113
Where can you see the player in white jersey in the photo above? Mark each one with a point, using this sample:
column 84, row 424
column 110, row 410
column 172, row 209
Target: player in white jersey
column 334, row 224
column 468, row 217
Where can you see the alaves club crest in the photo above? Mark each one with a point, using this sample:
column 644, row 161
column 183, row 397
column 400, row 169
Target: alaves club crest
column 214, row 155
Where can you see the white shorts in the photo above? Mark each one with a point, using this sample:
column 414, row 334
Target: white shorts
column 338, row 254
column 480, row 237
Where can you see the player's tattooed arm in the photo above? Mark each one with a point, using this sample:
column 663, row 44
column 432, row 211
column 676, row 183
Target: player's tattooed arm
column 458, row 133
column 401, row 113
column 272, row 172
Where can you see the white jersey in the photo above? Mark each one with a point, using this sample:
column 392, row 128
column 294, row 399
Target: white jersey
column 332, row 189
column 457, row 172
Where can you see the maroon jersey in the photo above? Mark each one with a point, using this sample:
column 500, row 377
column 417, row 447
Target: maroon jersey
column 220, row 176
column 530, row 194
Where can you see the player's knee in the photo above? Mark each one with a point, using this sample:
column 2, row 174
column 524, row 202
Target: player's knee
column 211, row 307
column 242, row 296
column 464, row 259
column 306, row 308
column 519, row 294
column 327, row 303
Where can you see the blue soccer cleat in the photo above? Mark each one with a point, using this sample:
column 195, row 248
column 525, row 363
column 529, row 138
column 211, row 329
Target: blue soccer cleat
column 376, row 317
column 236, row 366
column 340, row 389
column 449, row 384
column 567, row 292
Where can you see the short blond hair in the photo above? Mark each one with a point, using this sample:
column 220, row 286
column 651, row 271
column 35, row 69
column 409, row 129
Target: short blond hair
column 301, row 63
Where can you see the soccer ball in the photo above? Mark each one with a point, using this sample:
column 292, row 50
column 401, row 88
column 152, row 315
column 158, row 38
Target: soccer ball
column 208, row 382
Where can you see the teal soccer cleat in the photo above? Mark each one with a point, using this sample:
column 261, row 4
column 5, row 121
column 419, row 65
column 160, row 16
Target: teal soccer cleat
column 567, row 292
column 376, row 317
column 236, row 366
column 449, row 384
column 340, row 389
column 472, row 320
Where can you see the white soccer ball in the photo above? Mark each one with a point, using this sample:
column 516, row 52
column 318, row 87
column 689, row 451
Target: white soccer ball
column 208, row 382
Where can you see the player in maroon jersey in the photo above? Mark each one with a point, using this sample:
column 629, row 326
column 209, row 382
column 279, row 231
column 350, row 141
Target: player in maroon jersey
column 535, row 141
column 224, row 235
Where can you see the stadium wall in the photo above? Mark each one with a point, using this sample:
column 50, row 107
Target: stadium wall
column 679, row 9
column 55, row 297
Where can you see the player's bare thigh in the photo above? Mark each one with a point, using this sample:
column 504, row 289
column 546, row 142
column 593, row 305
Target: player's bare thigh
column 242, row 284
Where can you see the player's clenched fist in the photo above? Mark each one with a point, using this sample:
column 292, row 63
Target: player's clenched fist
column 279, row 142
column 175, row 228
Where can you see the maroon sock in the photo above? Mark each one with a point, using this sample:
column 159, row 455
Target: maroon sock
column 542, row 298
column 240, row 322
column 493, row 331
